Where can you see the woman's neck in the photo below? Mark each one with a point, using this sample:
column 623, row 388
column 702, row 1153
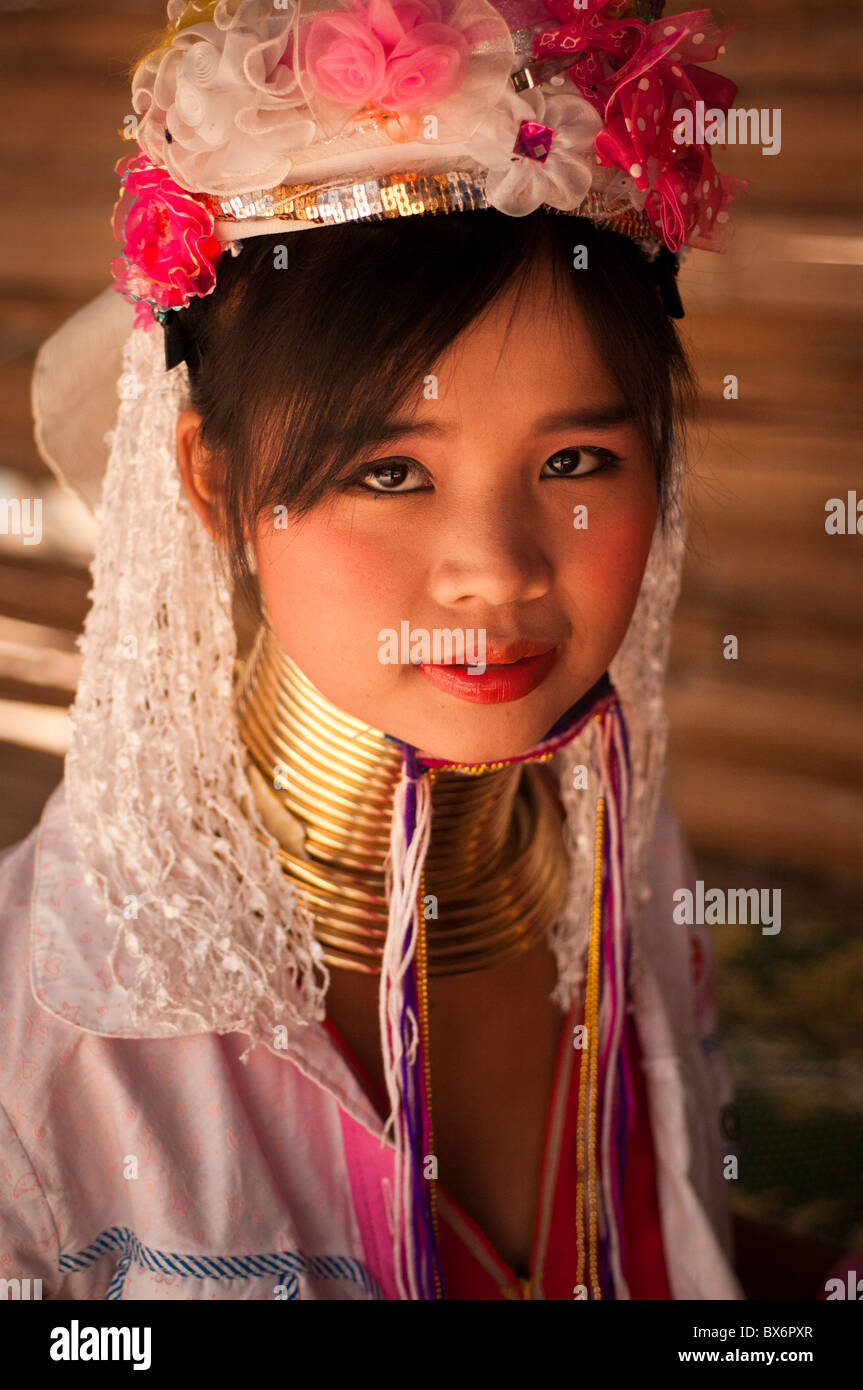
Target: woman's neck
column 496, row 871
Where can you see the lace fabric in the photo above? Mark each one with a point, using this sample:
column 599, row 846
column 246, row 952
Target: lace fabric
column 638, row 673
column 162, row 814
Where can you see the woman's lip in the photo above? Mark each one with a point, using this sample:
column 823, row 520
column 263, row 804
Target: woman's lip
column 508, row 652
column 498, row 684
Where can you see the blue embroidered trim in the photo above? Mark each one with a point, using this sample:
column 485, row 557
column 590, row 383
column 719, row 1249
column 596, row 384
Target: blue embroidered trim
column 284, row 1262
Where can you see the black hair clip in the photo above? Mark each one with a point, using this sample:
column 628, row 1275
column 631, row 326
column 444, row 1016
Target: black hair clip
column 665, row 268
column 179, row 344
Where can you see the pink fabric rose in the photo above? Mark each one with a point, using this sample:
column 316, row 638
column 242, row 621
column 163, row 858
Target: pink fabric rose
column 393, row 57
column 169, row 251
column 346, row 61
column 427, row 64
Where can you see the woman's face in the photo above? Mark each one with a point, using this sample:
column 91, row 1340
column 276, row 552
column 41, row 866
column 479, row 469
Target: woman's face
column 515, row 505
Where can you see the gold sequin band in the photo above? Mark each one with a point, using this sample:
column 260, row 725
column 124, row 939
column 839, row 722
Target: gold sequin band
column 410, row 194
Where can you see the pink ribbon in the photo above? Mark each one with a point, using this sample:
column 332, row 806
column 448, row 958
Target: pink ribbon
column 639, row 77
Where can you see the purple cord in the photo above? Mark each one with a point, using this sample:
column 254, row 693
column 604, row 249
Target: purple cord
column 621, row 1144
column 621, row 1122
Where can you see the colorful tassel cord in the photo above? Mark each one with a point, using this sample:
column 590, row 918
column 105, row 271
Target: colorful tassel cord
column 404, row 1035
column 605, row 1105
column 604, row 1119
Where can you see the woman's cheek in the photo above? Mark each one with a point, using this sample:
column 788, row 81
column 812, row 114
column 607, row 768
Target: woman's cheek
column 363, row 570
column 626, row 554
column 607, row 569
column 328, row 591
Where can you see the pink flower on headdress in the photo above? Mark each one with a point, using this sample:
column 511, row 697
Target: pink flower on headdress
column 384, row 56
column 169, row 251
column 639, row 76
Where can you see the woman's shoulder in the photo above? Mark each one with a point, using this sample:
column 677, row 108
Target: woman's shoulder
column 48, row 920
column 56, row 945
column 670, row 857
column 45, row 921
column 668, row 867
column 57, row 986
column 18, row 876
column 28, row 1231
column 678, row 946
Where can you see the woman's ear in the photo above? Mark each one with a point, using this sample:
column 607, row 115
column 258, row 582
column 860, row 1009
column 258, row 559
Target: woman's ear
column 196, row 473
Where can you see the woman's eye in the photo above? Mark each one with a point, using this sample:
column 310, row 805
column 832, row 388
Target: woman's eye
column 579, row 463
column 403, row 476
column 390, row 474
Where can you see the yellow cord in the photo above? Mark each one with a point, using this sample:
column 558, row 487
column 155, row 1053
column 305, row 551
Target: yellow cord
column 423, row 1001
column 486, row 767
column 587, row 1094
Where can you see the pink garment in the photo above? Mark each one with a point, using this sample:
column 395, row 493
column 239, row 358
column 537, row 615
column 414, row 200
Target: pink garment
column 164, row 1167
column 474, row 1269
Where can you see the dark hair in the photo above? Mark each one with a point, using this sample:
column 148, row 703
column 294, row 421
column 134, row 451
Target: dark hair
column 293, row 370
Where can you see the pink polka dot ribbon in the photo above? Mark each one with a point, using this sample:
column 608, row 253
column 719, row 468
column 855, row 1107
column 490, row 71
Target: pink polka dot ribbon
column 640, row 77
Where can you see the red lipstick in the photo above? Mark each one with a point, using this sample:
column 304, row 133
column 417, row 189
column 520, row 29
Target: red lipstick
column 513, row 670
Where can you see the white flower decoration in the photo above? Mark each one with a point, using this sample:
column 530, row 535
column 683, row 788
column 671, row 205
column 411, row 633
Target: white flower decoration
column 517, row 184
column 221, row 107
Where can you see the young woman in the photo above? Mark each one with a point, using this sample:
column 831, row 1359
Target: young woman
column 493, row 402
column 350, row 970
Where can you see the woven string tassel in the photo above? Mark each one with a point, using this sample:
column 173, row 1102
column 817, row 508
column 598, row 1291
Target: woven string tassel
column 402, row 1003
column 605, row 1086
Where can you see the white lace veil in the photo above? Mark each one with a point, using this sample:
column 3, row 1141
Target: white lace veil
column 163, row 817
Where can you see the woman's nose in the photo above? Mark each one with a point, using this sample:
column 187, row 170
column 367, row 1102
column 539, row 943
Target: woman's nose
column 492, row 554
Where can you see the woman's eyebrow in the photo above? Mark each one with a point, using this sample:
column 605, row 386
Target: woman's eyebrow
column 598, row 417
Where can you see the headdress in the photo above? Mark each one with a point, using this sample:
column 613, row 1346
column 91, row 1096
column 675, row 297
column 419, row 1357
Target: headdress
column 256, row 117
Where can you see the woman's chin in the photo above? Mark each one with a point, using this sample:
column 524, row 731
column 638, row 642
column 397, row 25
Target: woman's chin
column 480, row 740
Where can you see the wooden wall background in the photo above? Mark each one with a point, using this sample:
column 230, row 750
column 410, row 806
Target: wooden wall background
column 766, row 760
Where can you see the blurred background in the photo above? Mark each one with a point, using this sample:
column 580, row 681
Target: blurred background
column 766, row 755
